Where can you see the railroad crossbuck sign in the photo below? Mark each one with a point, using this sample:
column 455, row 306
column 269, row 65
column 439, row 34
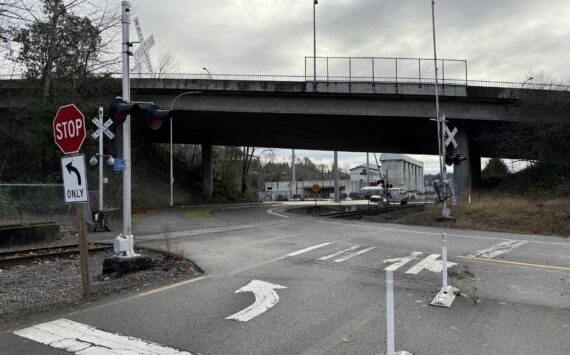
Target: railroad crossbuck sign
column 69, row 129
column 451, row 137
column 74, row 179
column 102, row 128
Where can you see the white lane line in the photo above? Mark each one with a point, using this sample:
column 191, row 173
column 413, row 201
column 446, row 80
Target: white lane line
column 298, row 252
column 339, row 252
column 439, row 234
column 265, row 298
column 79, row 338
column 352, row 255
column 430, row 263
column 498, row 249
column 270, row 211
column 399, row 262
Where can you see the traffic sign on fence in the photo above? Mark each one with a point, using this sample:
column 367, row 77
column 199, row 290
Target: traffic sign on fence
column 69, row 129
column 74, row 178
column 316, row 188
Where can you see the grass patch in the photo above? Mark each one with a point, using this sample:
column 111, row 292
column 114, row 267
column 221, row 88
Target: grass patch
column 503, row 213
column 198, row 213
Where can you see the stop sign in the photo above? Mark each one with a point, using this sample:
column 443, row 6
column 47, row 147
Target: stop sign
column 69, row 129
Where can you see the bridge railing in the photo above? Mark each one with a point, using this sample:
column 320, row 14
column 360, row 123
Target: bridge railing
column 336, row 79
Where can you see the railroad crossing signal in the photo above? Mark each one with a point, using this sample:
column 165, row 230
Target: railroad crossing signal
column 316, row 188
column 69, row 129
column 450, row 136
column 141, row 54
column 102, row 128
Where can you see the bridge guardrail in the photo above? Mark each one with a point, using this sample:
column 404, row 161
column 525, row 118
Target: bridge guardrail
column 335, row 79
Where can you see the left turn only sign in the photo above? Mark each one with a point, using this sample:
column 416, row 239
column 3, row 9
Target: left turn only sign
column 74, row 179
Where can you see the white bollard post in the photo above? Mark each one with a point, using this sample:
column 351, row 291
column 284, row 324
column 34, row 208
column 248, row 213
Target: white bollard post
column 444, row 260
column 390, row 311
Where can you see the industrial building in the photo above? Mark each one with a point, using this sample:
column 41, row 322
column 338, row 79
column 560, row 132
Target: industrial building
column 399, row 170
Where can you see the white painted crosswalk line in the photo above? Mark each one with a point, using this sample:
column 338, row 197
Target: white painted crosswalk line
column 83, row 339
column 339, row 252
column 498, row 249
column 299, row 252
column 399, row 262
column 430, row 263
column 352, row 255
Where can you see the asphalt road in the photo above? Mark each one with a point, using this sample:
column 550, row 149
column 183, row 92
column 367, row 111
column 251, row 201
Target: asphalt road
column 334, row 295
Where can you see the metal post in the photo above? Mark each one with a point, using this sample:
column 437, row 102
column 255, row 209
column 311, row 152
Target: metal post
column 372, row 70
column 171, row 165
column 305, row 68
column 390, row 312
column 101, row 161
column 444, row 260
column 126, row 20
column 440, row 120
column 396, row 60
column 293, row 179
column 367, row 169
column 350, row 70
column 335, row 175
column 443, row 72
column 420, row 70
column 315, row 2
column 466, row 73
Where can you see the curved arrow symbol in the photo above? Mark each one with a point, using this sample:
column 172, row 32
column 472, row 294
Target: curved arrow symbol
column 71, row 168
column 265, row 298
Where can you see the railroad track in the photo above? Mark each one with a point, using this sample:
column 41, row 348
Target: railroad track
column 370, row 211
column 24, row 256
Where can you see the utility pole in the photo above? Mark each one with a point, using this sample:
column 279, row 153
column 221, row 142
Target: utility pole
column 315, row 2
column 445, row 212
column 293, row 178
column 335, row 176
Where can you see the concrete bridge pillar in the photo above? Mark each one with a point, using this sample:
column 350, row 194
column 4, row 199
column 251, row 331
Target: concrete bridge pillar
column 207, row 178
column 468, row 172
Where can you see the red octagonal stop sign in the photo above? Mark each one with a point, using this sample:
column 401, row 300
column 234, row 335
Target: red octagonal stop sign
column 69, row 129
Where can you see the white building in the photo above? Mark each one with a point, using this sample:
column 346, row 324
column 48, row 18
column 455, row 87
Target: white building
column 358, row 173
column 403, row 171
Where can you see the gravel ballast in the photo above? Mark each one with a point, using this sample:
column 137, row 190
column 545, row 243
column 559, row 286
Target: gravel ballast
column 53, row 285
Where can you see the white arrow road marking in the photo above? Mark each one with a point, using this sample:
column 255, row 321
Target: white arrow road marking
column 498, row 249
column 79, row 338
column 352, row 255
column 265, row 298
column 339, row 252
column 298, row 252
column 429, row 263
column 399, row 262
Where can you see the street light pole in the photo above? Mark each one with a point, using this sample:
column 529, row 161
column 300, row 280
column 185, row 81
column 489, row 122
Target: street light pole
column 171, row 144
column 207, row 71
column 526, row 81
column 440, row 119
column 315, row 2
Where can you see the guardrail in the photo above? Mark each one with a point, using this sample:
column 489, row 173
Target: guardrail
column 334, row 79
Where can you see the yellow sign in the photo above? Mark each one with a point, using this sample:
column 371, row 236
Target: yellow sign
column 316, row 188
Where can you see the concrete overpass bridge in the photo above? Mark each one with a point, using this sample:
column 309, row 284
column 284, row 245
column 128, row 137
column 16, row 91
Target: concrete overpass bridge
column 333, row 113
column 358, row 115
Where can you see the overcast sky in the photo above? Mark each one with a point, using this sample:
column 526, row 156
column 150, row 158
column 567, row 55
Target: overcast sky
column 502, row 40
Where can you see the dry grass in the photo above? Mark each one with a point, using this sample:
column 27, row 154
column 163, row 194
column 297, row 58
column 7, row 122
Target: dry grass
column 548, row 216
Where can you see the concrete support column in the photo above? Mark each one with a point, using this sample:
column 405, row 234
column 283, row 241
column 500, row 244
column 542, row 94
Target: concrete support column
column 462, row 171
column 207, row 178
column 475, row 162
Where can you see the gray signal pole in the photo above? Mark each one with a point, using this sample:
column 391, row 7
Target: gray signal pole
column 335, row 175
column 127, row 236
column 293, row 178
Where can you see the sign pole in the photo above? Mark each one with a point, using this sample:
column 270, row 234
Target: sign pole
column 83, row 252
column 101, row 161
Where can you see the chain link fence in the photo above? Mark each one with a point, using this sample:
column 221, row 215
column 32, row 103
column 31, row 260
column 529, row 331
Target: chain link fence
column 31, row 203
